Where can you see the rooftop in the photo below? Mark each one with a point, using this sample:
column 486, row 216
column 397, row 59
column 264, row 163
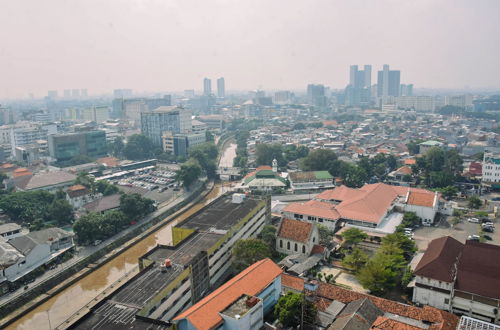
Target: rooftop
column 241, row 306
column 251, row 281
column 8, row 227
column 437, row 262
column 41, row 180
column 295, row 230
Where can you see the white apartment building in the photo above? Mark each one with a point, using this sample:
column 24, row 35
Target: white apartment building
column 418, row 103
column 491, row 168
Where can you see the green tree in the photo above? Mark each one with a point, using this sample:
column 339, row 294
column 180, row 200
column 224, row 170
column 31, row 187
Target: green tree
column 473, row 202
column 355, row 260
column 266, row 153
column 106, row 188
column 353, row 236
column 289, row 309
column 248, row 251
column 413, row 147
column 318, row 160
column 299, row 126
column 117, row 147
column 379, row 275
column 205, row 154
column 61, row 212
column 435, row 158
column 325, row 234
column 268, row 235
column 449, row 192
column 188, row 173
column 139, row 147
column 135, row 206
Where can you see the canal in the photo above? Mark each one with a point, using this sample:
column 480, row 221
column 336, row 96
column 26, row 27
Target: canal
column 60, row 307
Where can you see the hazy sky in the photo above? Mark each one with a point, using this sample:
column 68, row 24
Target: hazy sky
column 153, row 45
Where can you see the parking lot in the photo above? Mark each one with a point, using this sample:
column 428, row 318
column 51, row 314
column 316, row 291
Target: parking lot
column 159, row 185
column 460, row 232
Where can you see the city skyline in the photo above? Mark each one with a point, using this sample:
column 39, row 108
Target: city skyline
column 253, row 44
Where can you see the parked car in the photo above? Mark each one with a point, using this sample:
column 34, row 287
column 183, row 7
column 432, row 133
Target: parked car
column 487, row 237
column 488, row 229
column 473, row 220
column 488, row 224
column 473, row 238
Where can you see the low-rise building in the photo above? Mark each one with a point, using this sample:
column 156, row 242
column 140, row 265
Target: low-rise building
column 491, row 170
column 264, row 178
column 10, row 230
column 310, row 181
column 460, row 278
column 50, row 181
column 25, row 253
column 79, row 195
column 372, row 208
column 296, row 237
column 240, row 303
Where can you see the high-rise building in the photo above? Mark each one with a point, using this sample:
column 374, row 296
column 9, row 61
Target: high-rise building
column 75, row 93
column 97, row 114
column 388, row 82
column 282, row 97
column 316, row 95
column 207, row 86
column 122, row 93
column 358, row 92
column 132, row 108
column 155, row 123
column 84, row 93
column 221, row 87
column 67, row 93
column 406, row 90
column 52, row 94
column 63, row 147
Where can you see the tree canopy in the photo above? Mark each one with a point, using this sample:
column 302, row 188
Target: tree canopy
column 318, row 160
column 248, row 251
column 139, row 147
column 189, row 172
column 288, row 309
column 354, row 236
column 266, row 153
column 135, row 206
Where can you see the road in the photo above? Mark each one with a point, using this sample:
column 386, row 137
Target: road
column 61, row 306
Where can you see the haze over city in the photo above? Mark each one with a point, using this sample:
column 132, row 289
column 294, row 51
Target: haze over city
column 172, row 45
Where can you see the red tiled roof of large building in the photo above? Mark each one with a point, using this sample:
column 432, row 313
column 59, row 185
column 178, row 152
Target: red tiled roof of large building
column 404, row 170
column 251, row 281
column 295, row 230
column 292, row 282
column 77, row 190
column 439, row 259
column 21, row 172
column 421, row 198
column 368, row 203
column 440, row 319
column 314, row 208
column 410, row 161
column 478, row 270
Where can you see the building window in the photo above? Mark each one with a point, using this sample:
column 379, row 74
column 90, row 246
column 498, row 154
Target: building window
column 288, row 245
column 281, row 243
column 296, row 247
column 446, row 301
column 314, row 239
column 303, row 249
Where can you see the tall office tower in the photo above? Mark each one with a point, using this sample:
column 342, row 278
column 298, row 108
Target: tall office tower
column 282, row 97
column 84, row 93
column 52, row 95
column 63, row 147
column 221, row 87
column 75, row 93
column 316, row 95
column 358, row 92
column 388, row 82
column 406, row 90
column 165, row 119
column 189, row 93
column 67, row 93
column 207, row 86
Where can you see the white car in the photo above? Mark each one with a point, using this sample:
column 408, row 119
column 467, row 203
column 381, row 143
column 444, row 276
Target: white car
column 473, row 220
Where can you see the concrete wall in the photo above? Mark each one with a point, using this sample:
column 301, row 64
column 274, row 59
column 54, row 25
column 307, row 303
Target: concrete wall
column 427, row 296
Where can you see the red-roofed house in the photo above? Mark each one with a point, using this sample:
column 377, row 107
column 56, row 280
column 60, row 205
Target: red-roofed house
column 296, row 237
column 460, row 278
column 334, row 302
column 240, row 303
column 371, row 206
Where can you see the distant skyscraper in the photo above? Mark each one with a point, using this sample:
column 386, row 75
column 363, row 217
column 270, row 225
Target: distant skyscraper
column 67, row 93
column 406, row 90
column 207, row 86
column 122, row 93
column 221, row 87
column 189, row 93
column 316, row 95
column 282, row 97
column 83, row 93
column 75, row 93
column 359, row 90
column 388, row 82
column 52, row 94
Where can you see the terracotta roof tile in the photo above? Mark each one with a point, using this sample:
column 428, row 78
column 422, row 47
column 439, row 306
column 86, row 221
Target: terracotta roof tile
column 314, row 208
column 384, row 323
column 251, row 281
column 421, row 198
column 440, row 319
column 295, row 230
column 292, row 282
